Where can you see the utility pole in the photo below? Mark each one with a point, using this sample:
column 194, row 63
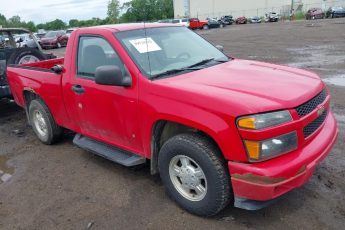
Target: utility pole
column 291, row 10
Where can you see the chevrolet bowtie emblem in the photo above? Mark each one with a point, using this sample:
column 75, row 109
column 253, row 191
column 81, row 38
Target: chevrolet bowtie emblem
column 320, row 111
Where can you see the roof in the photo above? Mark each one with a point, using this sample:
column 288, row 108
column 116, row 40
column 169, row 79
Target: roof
column 14, row 30
column 132, row 26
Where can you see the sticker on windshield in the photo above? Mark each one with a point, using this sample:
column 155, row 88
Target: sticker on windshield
column 144, row 45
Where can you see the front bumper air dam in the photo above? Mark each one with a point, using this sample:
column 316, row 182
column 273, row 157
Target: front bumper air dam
column 256, row 185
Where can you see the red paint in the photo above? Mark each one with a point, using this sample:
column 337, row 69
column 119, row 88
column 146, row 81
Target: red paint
column 195, row 23
column 209, row 100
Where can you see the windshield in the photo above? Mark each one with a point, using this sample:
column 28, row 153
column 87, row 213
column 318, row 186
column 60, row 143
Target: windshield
column 51, row 34
column 167, row 49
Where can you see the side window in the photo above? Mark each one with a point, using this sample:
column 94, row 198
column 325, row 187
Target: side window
column 94, row 52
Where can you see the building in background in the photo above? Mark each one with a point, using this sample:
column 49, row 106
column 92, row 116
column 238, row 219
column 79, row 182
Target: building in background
column 216, row 8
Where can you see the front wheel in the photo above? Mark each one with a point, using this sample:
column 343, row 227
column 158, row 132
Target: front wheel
column 43, row 123
column 195, row 174
column 205, row 27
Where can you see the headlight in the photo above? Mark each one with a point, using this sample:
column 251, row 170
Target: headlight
column 265, row 120
column 263, row 150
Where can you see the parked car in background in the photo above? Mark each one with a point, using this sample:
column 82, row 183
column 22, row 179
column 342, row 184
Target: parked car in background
column 314, row 13
column 40, row 35
column 214, row 23
column 10, row 53
column 165, row 21
column 271, row 17
column 181, row 21
column 54, row 39
column 69, row 31
column 241, row 20
column 335, row 12
column 255, row 19
column 195, row 23
column 27, row 40
column 227, row 19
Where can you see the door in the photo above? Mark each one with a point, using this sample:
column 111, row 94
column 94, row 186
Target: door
column 106, row 113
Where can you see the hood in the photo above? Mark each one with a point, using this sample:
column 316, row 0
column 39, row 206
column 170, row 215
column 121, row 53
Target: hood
column 244, row 87
column 48, row 39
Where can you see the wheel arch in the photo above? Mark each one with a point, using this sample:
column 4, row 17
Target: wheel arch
column 29, row 95
column 163, row 130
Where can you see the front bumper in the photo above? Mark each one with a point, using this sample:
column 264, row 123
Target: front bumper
column 5, row 91
column 270, row 179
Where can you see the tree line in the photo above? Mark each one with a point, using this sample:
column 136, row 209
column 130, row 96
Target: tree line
column 131, row 11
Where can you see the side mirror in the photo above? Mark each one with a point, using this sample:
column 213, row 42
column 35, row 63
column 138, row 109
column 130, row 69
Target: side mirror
column 111, row 75
column 221, row 48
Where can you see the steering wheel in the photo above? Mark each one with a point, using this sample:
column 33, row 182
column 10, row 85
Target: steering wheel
column 183, row 56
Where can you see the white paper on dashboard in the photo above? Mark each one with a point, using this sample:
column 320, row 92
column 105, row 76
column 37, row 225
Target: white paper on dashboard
column 144, row 45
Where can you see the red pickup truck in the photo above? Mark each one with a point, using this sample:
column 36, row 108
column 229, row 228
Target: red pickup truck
column 195, row 23
column 217, row 129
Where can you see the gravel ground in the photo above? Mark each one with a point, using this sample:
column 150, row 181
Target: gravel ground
column 63, row 187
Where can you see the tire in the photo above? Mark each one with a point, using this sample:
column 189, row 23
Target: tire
column 205, row 27
column 22, row 53
column 201, row 154
column 221, row 26
column 45, row 127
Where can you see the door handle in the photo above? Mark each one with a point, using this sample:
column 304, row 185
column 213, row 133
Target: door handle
column 78, row 89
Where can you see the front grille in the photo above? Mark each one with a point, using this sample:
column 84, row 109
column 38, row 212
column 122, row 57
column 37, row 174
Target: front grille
column 310, row 105
column 314, row 125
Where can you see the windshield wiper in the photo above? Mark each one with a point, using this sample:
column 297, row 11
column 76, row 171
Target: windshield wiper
column 172, row 71
column 203, row 62
column 187, row 68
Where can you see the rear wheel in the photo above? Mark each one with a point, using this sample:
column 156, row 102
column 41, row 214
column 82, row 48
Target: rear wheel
column 195, row 174
column 26, row 55
column 43, row 123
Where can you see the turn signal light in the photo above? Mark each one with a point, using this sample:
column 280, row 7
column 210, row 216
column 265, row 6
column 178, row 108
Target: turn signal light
column 253, row 149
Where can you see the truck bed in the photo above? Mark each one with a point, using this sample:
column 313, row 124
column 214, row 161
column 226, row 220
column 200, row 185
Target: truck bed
column 47, row 64
column 39, row 78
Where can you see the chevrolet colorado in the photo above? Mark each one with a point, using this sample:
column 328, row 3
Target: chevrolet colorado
column 217, row 129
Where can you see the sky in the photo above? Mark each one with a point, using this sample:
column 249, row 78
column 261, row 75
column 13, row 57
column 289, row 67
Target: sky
column 41, row 11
